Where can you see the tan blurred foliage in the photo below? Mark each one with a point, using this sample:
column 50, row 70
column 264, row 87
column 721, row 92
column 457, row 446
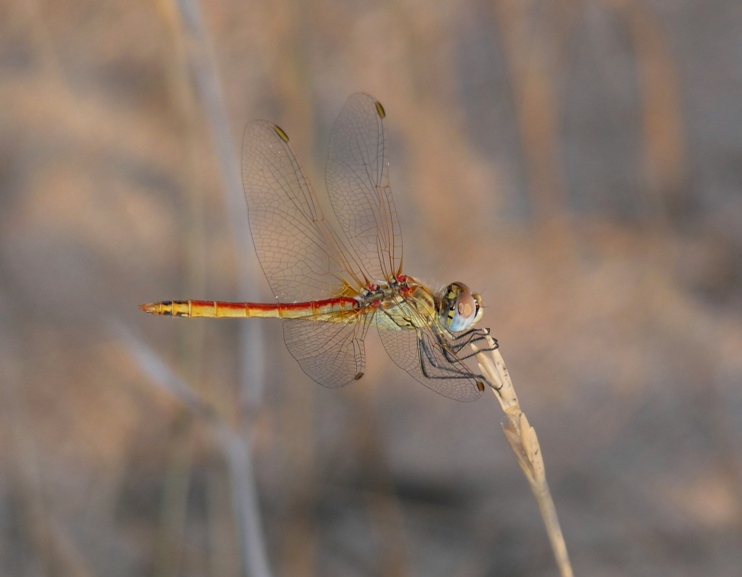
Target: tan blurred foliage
column 577, row 162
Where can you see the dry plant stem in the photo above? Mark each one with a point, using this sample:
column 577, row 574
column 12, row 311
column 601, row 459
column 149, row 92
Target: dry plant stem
column 170, row 544
column 524, row 443
column 224, row 550
column 206, row 80
column 174, row 508
column 236, row 447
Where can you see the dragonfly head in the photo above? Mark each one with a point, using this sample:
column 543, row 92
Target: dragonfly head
column 460, row 309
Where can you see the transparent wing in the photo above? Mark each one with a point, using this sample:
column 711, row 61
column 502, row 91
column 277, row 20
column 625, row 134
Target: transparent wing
column 300, row 254
column 357, row 177
column 416, row 349
column 333, row 354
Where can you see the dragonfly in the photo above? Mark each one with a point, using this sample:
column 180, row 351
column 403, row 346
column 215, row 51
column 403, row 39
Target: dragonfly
column 333, row 283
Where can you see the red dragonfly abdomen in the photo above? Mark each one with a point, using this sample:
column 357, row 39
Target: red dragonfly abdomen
column 324, row 310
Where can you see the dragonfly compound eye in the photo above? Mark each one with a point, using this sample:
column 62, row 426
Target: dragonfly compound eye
column 459, row 307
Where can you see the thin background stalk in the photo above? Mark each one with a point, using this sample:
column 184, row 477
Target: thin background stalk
column 207, row 83
column 234, row 445
column 238, row 449
column 174, row 508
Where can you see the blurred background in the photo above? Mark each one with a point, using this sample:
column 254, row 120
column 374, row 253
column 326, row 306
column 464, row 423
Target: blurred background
column 579, row 163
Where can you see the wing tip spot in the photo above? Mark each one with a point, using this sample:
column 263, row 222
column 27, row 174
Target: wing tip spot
column 480, row 386
column 281, row 134
column 380, row 109
column 358, row 377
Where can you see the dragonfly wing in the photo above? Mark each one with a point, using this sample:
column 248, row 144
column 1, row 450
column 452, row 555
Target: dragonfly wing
column 357, row 177
column 333, row 354
column 300, row 255
column 416, row 350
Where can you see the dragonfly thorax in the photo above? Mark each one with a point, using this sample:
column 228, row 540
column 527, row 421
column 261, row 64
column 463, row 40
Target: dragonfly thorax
column 399, row 285
column 458, row 308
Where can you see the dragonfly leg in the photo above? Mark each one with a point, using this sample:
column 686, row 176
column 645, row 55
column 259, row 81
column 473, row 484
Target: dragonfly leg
column 426, row 353
column 459, row 341
column 473, row 336
column 452, row 373
column 428, row 363
column 470, row 353
column 425, row 348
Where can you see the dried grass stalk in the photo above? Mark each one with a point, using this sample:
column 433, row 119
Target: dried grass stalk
column 236, row 445
column 523, row 441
